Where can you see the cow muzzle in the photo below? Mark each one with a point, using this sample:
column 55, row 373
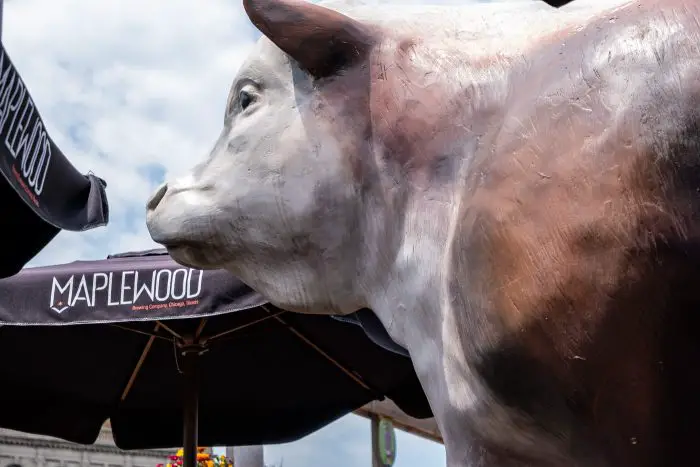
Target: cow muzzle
column 157, row 197
column 159, row 224
column 176, row 218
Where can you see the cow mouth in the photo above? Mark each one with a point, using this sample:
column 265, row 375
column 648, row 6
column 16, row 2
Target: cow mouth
column 175, row 243
column 189, row 254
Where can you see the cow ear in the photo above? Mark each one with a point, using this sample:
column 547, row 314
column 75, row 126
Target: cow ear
column 321, row 40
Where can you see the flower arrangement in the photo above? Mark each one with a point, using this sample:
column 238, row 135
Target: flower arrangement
column 204, row 459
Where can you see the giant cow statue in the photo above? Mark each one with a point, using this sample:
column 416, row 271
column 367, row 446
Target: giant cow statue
column 513, row 189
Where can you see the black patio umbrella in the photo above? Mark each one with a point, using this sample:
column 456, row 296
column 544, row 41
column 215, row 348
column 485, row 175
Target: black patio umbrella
column 41, row 193
column 127, row 338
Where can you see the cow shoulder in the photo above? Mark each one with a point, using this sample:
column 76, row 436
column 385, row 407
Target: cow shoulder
column 578, row 235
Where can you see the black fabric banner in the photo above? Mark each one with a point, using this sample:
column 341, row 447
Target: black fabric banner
column 131, row 287
column 42, row 192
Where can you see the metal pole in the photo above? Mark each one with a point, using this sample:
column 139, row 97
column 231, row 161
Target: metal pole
column 190, row 415
column 374, row 432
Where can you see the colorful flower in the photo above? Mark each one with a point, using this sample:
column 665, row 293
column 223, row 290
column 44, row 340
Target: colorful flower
column 204, row 459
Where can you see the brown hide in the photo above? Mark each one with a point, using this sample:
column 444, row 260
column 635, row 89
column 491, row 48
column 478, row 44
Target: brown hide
column 580, row 236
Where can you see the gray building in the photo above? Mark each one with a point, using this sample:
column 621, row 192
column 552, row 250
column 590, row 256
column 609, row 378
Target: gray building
column 26, row 450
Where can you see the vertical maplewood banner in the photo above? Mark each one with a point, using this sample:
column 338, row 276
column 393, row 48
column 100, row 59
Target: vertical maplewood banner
column 41, row 191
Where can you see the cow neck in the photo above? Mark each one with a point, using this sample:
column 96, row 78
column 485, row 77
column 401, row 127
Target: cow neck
column 426, row 152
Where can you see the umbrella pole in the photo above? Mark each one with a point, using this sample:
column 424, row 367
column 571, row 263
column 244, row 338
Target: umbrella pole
column 190, row 370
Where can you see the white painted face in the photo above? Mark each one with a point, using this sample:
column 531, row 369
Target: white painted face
column 275, row 201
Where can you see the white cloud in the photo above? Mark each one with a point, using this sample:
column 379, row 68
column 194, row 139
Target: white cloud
column 134, row 90
column 130, row 90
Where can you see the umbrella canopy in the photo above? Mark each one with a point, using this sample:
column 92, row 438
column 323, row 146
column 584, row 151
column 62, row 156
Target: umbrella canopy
column 41, row 192
column 92, row 340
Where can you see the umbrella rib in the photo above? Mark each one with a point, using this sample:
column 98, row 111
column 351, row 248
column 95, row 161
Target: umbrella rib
column 354, row 377
column 176, row 335
column 142, row 358
column 149, row 334
column 200, row 328
column 238, row 328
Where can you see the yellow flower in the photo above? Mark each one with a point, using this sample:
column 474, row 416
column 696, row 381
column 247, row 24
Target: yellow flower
column 180, row 452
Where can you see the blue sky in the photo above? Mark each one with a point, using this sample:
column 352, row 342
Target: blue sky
column 134, row 91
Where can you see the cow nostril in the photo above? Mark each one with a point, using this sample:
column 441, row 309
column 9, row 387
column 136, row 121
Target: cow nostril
column 157, row 197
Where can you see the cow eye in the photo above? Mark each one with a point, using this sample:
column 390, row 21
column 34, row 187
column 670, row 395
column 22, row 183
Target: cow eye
column 245, row 99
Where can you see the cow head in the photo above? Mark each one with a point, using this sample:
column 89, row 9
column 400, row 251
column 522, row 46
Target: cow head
column 278, row 200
